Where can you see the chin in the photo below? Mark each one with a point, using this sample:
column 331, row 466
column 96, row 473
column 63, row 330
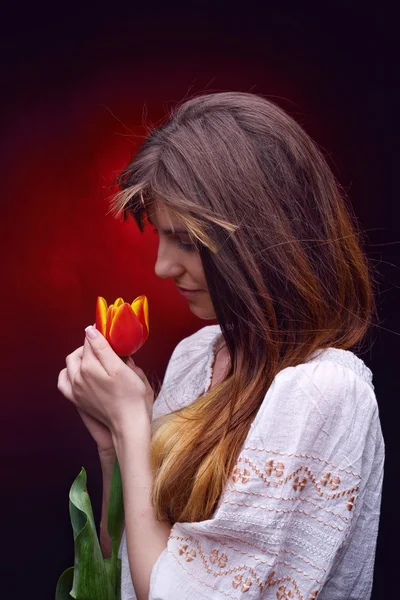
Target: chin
column 203, row 313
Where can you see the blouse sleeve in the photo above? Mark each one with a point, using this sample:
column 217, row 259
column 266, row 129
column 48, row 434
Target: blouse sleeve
column 299, row 516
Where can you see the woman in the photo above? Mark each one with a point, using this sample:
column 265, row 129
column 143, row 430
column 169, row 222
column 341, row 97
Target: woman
column 261, row 472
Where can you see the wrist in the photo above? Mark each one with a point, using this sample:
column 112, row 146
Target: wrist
column 135, row 419
column 135, row 430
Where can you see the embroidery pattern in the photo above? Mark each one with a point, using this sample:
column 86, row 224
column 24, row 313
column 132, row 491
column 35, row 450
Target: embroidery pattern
column 220, row 559
column 238, row 581
column 289, row 511
column 350, row 503
column 243, row 580
column 333, row 482
column 299, row 489
column 316, row 458
column 298, row 483
column 215, row 553
column 189, row 554
column 329, row 485
column 272, row 467
column 282, row 594
column 282, row 589
column 297, row 499
column 243, row 476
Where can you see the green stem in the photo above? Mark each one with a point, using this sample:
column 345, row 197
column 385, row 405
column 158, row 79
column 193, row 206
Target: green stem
column 115, row 520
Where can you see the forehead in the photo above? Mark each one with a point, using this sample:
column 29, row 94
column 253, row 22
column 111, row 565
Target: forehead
column 164, row 219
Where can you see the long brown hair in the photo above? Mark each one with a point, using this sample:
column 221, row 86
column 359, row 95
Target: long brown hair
column 282, row 260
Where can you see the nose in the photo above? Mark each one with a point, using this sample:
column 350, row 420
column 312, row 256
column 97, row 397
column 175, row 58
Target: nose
column 167, row 263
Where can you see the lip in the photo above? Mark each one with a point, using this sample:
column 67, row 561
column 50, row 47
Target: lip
column 188, row 293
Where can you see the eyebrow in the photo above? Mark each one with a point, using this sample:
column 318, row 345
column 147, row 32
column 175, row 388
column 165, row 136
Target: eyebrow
column 173, row 231
column 169, row 231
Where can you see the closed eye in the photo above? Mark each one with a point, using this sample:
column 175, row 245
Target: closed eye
column 181, row 245
column 187, row 247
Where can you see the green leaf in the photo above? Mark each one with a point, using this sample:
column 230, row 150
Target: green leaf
column 115, row 504
column 90, row 579
column 110, row 570
column 64, row 584
column 115, row 520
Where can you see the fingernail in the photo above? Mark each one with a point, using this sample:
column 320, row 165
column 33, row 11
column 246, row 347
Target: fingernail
column 91, row 332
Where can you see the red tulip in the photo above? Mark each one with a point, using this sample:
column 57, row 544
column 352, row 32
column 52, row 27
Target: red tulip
column 125, row 326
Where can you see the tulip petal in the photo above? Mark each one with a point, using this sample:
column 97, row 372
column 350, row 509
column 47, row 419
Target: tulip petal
column 140, row 307
column 101, row 315
column 126, row 331
column 118, row 302
column 146, row 312
column 109, row 320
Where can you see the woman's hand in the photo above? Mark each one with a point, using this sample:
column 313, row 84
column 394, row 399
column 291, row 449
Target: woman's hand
column 100, row 433
column 101, row 386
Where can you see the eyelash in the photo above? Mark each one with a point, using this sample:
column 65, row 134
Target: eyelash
column 181, row 245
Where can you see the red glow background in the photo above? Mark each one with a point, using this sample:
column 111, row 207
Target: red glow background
column 71, row 121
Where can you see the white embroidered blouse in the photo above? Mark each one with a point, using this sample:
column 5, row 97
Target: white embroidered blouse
column 298, row 519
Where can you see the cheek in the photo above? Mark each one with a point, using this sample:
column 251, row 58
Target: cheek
column 196, row 268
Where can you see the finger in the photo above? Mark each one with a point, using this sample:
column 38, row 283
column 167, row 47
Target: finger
column 87, row 351
column 73, row 362
column 64, row 385
column 90, row 362
column 102, row 350
column 86, row 347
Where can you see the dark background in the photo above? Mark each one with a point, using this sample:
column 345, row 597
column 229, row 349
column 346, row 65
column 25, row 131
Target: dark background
column 77, row 86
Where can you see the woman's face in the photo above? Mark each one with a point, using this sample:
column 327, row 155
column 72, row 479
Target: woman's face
column 178, row 259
